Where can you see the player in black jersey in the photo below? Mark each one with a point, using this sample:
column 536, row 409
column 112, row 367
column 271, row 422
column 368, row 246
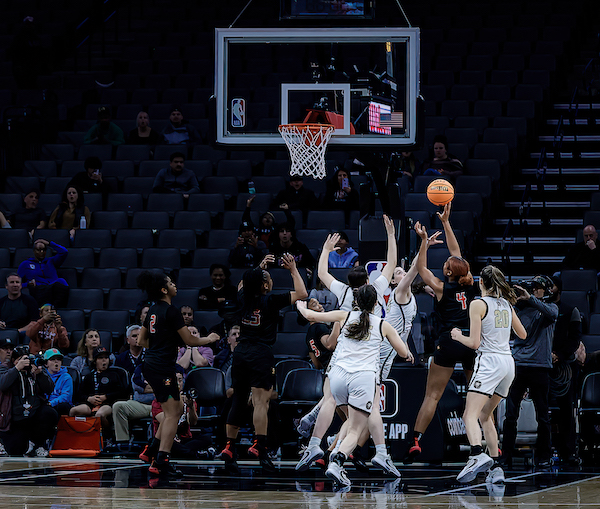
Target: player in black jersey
column 253, row 368
column 453, row 297
column 162, row 333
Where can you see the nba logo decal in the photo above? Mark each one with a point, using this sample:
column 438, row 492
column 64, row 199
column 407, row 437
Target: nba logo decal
column 238, row 113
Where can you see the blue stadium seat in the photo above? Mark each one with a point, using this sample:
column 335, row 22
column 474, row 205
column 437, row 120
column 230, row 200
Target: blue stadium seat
column 121, row 258
column 164, row 258
column 85, row 299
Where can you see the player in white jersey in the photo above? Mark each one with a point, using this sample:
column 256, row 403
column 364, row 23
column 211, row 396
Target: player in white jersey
column 491, row 320
column 353, row 379
column 357, row 277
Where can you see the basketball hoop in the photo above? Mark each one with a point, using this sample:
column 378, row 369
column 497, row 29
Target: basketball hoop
column 307, row 144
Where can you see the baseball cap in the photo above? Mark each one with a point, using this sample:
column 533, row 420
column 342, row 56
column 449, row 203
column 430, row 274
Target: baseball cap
column 100, row 351
column 295, row 177
column 51, row 353
column 6, row 343
column 245, row 226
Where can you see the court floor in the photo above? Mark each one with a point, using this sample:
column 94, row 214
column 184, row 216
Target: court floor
column 122, row 483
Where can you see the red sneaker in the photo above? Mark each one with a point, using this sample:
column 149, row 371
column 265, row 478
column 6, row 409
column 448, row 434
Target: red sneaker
column 145, row 455
column 254, row 449
column 227, row 454
column 413, row 452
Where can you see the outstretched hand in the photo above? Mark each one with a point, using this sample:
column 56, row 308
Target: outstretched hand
column 445, row 214
column 432, row 240
column 331, row 242
column 389, row 225
column 421, row 231
column 267, row 260
column 288, row 262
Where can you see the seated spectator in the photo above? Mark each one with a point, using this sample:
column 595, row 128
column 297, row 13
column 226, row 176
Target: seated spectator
column 180, row 131
column 344, row 257
column 133, row 409
column 90, row 180
column 100, row 388
column 61, row 398
column 17, row 310
column 443, row 163
column 285, row 242
column 295, row 197
column 85, row 352
column 39, row 275
column 133, row 356
column 248, row 251
column 47, row 332
column 104, row 132
column 586, row 254
column 141, row 312
column 29, row 216
column 4, row 223
column 406, row 165
column 69, row 212
column 340, row 193
column 188, row 315
column 143, row 134
column 221, row 290
column 32, row 419
column 6, row 349
column 266, row 224
column 325, row 297
column 191, row 357
column 176, row 178
column 224, row 358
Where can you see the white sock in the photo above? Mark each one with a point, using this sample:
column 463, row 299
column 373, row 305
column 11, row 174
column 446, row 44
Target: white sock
column 380, row 450
column 314, row 441
column 312, row 415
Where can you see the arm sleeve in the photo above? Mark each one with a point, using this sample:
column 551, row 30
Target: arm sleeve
column 338, row 288
column 63, row 338
column 33, row 329
column 117, row 137
column 193, row 182
column 91, row 134
column 66, row 392
column 159, row 182
column 60, row 256
column 550, row 311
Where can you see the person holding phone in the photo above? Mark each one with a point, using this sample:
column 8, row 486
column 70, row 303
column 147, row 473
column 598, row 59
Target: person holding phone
column 47, row 332
column 340, row 193
column 90, row 180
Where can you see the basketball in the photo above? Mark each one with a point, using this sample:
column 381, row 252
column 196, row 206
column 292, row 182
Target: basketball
column 440, row 192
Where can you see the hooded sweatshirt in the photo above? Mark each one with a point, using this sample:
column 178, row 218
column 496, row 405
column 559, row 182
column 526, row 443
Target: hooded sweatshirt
column 343, row 261
column 539, row 320
column 63, row 388
column 44, row 335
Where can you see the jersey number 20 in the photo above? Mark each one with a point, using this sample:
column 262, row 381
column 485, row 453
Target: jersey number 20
column 501, row 319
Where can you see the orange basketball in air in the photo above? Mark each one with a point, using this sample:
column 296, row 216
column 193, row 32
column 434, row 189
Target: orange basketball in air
column 440, row 192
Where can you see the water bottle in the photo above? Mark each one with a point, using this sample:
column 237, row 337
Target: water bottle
column 82, row 223
column 251, row 188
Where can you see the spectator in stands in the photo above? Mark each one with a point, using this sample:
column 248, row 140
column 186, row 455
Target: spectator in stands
column 29, row 216
column 340, row 193
column 69, row 212
column 133, row 409
column 586, row 254
column 295, row 197
column 344, row 257
column 61, row 398
column 85, row 352
column 221, row 290
column 191, row 357
column 141, row 312
column 6, row 348
column 104, row 132
column 180, row 131
column 285, row 242
column 133, row 356
column 405, row 165
column 90, row 180
column 16, row 308
column 38, row 273
column 4, row 223
column 224, row 358
column 31, row 418
column 47, row 332
column 143, row 134
column 176, row 178
column 589, row 362
column 101, row 388
column 266, row 224
column 443, row 163
column 324, row 296
column 248, row 251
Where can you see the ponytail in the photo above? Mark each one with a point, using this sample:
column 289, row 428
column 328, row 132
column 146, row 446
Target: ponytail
column 365, row 299
column 495, row 283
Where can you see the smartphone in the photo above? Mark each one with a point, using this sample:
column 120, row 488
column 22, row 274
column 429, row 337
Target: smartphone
column 345, row 183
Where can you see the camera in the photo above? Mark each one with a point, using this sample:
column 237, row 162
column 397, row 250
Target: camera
column 526, row 284
column 34, row 360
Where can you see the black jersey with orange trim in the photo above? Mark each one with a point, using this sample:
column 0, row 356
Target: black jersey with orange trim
column 162, row 322
column 452, row 310
column 259, row 324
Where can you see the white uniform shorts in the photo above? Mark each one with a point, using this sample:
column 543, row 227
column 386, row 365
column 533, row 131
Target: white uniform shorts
column 355, row 389
column 387, row 354
column 493, row 373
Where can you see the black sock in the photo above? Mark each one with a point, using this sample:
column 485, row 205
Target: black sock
column 476, row 450
column 339, row 458
column 162, row 456
column 154, row 446
column 417, row 435
column 262, row 441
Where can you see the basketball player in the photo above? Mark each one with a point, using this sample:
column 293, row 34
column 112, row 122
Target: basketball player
column 491, row 319
column 162, row 333
column 452, row 298
column 353, row 378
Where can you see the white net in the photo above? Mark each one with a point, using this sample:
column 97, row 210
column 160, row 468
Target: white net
column 307, row 144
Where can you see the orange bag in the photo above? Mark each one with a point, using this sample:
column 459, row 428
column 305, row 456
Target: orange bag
column 78, row 436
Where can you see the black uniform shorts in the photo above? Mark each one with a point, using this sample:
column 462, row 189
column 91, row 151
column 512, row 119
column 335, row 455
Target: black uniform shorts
column 448, row 352
column 253, row 366
column 163, row 385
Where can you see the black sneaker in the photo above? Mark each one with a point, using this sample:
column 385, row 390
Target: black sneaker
column 267, row 464
column 164, row 469
column 359, row 462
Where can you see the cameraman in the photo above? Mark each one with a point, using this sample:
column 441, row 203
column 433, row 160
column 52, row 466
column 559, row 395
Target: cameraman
column 47, row 332
column 533, row 361
column 31, row 417
column 248, row 250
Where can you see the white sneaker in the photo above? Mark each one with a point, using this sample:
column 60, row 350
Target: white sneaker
column 305, row 425
column 30, row 448
column 310, row 454
column 495, row 475
column 331, row 439
column 3, row 450
column 386, row 464
column 41, row 452
column 476, row 464
column 337, row 474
